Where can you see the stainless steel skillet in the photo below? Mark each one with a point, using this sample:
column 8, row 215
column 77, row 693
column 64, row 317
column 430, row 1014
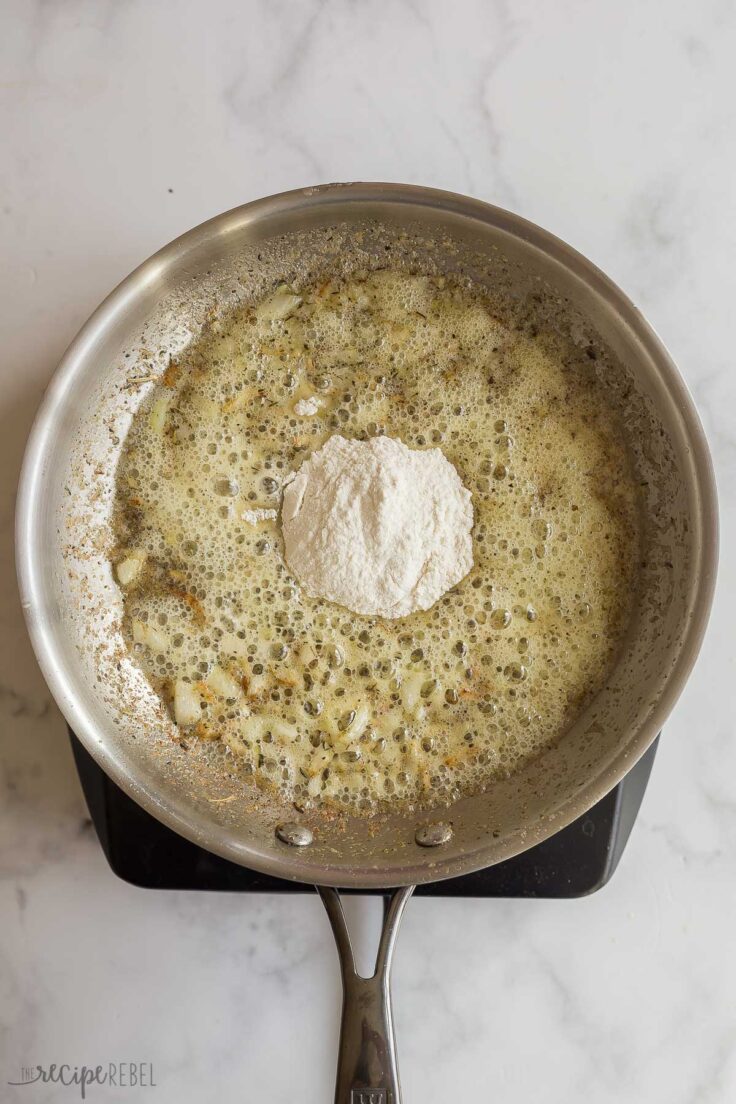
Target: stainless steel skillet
column 72, row 605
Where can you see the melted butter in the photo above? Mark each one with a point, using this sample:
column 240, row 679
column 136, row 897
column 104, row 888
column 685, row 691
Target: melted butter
column 329, row 706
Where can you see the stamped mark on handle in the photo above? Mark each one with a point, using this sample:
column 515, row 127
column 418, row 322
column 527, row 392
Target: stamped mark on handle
column 369, row 1096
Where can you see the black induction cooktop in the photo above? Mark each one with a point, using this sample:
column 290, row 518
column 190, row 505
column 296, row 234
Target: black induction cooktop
column 578, row 860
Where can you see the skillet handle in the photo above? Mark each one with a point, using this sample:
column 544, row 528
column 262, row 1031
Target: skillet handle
column 366, row 1063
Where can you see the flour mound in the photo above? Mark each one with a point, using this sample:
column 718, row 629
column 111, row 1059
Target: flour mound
column 377, row 527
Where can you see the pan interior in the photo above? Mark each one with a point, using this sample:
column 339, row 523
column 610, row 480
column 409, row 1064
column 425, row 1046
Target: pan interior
column 75, row 605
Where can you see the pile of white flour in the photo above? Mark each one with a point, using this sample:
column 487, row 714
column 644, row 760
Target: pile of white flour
column 377, row 527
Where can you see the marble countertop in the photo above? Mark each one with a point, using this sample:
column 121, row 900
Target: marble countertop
column 613, row 125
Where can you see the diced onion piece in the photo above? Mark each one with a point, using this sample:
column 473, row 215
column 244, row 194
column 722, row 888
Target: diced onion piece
column 411, row 694
column 359, row 725
column 389, row 754
column 150, row 635
column 285, row 675
column 187, row 703
column 257, row 685
column 387, row 723
column 412, row 752
column 231, row 644
column 307, row 654
column 157, row 417
column 321, row 759
column 223, row 683
column 282, row 731
column 234, row 742
column 253, row 729
column 343, row 738
column 127, row 570
column 329, row 724
column 278, row 306
column 204, row 732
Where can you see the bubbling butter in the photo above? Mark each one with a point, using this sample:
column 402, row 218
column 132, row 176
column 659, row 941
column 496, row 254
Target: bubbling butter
column 299, row 694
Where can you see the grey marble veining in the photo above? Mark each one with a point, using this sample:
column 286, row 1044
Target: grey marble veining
column 122, row 125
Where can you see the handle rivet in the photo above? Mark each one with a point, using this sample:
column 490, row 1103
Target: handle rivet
column 433, row 835
column 296, row 835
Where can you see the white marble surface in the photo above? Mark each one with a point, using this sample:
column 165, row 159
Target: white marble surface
column 612, row 124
